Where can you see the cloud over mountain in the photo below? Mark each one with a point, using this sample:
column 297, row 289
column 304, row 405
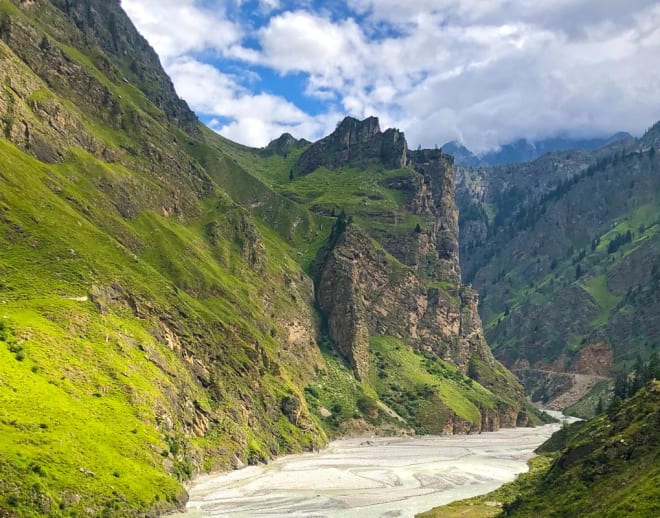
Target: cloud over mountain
column 481, row 72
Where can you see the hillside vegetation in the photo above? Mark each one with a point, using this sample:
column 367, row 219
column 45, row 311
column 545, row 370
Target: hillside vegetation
column 564, row 252
column 172, row 302
column 608, row 466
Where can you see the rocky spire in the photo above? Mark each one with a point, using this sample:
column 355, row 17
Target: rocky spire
column 355, row 143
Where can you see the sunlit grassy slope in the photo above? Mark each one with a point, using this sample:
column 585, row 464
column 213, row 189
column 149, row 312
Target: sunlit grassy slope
column 607, row 466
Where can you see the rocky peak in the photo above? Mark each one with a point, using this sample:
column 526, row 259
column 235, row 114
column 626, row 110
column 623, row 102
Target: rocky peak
column 355, row 143
column 353, row 131
column 283, row 145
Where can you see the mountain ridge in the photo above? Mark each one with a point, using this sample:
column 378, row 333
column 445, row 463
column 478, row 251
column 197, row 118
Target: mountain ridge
column 562, row 251
column 523, row 150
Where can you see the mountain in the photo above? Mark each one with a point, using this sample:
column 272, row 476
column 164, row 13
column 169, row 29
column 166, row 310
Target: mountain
column 173, row 302
column 607, row 466
column 462, row 155
column 564, row 252
column 387, row 279
column 523, row 150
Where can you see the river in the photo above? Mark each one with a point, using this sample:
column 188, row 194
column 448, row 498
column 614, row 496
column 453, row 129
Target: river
column 389, row 477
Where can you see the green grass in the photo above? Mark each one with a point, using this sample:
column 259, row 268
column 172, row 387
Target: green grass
column 647, row 215
column 585, row 408
column 361, row 193
column 424, row 389
column 82, row 410
column 606, row 301
column 335, row 390
column 607, row 466
column 303, row 231
column 102, row 391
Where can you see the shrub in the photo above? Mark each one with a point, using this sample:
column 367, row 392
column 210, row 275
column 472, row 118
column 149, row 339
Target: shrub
column 311, row 391
column 367, row 406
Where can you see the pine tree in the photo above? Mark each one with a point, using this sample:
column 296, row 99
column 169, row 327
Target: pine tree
column 578, row 271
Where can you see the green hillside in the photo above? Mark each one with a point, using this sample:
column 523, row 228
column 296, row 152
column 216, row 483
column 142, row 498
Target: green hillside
column 564, row 253
column 607, row 466
column 173, row 303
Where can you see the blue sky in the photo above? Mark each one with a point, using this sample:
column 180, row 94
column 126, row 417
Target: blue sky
column 484, row 72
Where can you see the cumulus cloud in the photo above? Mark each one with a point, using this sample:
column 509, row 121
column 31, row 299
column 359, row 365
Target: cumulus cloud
column 177, row 27
column 179, row 30
column 481, row 71
column 254, row 119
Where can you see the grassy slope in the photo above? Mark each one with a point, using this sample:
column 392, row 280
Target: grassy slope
column 146, row 300
column 607, row 466
column 99, row 403
column 401, row 376
column 244, row 174
column 418, row 393
column 84, row 378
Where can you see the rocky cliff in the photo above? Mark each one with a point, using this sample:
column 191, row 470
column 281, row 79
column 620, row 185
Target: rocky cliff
column 384, row 281
column 355, row 143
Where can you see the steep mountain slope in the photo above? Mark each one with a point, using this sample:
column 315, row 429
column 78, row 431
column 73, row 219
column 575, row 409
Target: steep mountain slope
column 608, row 466
column 564, row 252
column 146, row 318
column 388, row 278
column 160, row 286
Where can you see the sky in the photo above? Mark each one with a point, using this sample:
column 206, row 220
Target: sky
column 482, row 72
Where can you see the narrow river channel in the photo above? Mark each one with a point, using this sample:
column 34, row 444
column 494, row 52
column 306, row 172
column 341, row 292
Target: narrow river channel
column 389, row 477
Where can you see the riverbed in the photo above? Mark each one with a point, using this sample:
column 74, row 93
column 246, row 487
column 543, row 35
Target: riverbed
column 388, row 477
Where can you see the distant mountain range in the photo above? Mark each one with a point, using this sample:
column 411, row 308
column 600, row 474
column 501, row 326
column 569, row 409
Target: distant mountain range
column 522, row 150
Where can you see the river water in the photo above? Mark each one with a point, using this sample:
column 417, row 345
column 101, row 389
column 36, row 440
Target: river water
column 388, row 477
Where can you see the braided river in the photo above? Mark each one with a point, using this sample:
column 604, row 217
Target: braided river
column 375, row 477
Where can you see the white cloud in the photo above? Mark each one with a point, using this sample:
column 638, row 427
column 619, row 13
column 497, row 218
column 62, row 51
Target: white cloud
column 178, row 27
column 483, row 71
column 257, row 118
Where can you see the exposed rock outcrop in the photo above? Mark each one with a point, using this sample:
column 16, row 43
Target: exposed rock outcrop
column 363, row 292
column 380, row 281
column 356, row 143
column 103, row 24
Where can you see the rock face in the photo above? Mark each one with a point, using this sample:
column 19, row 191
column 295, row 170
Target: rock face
column 356, row 143
column 380, row 281
column 104, row 25
column 363, row 293
column 438, row 172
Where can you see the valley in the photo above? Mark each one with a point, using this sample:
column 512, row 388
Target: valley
column 174, row 303
column 371, row 476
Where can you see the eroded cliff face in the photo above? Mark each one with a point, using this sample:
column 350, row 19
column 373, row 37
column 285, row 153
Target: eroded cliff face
column 382, row 281
column 364, row 292
column 355, row 143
